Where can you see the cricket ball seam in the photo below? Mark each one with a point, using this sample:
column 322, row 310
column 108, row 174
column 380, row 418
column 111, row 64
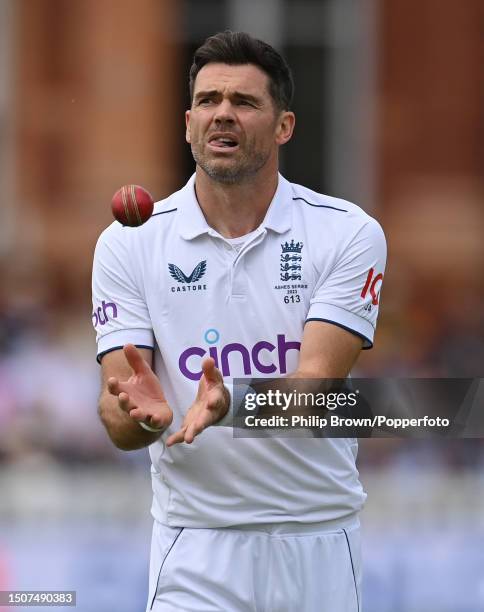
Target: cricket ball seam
column 135, row 204
column 127, row 213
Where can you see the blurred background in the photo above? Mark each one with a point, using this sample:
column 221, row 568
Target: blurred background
column 390, row 114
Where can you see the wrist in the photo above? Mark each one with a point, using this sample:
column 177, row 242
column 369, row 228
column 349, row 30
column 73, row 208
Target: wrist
column 227, row 419
column 149, row 428
column 228, row 397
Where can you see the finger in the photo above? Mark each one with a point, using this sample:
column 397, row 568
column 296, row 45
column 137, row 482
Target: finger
column 161, row 420
column 113, row 386
column 138, row 415
column 135, row 359
column 192, row 431
column 212, row 374
column 177, row 437
column 125, row 402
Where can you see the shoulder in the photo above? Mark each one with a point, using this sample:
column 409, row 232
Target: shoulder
column 166, row 207
column 344, row 218
column 123, row 237
column 312, row 202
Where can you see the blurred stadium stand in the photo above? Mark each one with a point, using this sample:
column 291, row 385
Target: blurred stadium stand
column 390, row 114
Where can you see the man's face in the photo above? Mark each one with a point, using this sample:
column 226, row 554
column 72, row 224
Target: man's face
column 233, row 126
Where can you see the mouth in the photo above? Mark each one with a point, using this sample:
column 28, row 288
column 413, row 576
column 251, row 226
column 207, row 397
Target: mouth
column 223, row 142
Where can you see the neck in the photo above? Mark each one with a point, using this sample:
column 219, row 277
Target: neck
column 235, row 210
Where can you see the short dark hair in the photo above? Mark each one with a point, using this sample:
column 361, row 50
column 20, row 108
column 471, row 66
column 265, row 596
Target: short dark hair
column 241, row 48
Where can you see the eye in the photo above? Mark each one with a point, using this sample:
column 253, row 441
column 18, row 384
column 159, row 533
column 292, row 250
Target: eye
column 205, row 101
column 244, row 103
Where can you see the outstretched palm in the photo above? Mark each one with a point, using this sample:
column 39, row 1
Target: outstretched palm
column 141, row 396
column 211, row 404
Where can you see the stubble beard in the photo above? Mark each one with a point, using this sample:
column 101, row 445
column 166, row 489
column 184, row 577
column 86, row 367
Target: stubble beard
column 238, row 171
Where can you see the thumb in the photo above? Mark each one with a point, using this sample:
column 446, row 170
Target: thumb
column 211, row 373
column 135, row 359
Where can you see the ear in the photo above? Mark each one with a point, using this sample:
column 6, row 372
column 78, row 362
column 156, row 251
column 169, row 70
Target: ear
column 285, row 127
column 187, row 126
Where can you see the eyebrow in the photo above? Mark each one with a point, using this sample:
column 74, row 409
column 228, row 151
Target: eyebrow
column 237, row 94
column 205, row 94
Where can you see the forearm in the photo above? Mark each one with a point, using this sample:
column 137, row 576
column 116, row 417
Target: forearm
column 125, row 432
column 297, row 394
column 320, row 370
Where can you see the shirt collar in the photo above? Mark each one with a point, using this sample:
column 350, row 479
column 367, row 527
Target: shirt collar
column 193, row 223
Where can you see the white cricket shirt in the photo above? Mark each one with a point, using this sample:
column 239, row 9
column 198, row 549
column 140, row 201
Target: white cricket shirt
column 177, row 286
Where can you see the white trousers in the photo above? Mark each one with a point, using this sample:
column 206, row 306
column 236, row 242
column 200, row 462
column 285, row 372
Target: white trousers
column 268, row 568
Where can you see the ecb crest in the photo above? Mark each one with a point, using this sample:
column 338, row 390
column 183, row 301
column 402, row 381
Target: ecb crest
column 291, row 259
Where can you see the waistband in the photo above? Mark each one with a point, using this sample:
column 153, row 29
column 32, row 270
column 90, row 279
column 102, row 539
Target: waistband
column 351, row 521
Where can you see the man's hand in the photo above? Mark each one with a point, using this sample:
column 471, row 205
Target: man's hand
column 141, row 396
column 210, row 405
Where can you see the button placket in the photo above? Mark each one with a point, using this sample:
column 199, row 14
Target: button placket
column 228, row 256
column 239, row 281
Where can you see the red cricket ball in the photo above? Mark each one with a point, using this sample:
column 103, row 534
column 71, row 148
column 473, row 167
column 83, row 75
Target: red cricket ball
column 132, row 205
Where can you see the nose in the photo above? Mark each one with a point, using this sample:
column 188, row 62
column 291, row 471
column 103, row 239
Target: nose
column 224, row 113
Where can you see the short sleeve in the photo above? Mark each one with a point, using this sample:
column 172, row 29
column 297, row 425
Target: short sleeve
column 349, row 296
column 120, row 314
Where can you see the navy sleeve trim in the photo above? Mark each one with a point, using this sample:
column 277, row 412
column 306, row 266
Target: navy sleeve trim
column 164, row 212
column 118, row 348
column 352, row 331
column 321, row 205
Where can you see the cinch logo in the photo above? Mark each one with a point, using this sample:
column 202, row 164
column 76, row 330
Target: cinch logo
column 371, row 284
column 258, row 358
column 100, row 315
